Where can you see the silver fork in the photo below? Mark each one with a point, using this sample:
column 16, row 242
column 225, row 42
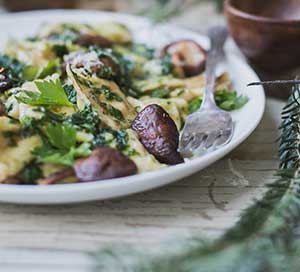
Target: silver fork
column 210, row 127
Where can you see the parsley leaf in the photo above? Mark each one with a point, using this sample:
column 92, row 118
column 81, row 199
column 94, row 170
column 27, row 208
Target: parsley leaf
column 47, row 154
column 60, row 147
column 61, row 136
column 31, row 72
column 51, row 92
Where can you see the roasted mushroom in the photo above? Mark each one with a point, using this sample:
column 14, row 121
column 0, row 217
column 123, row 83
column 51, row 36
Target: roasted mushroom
column 5, row 82
column 97, row 40
column 104, row 163
column 158, row 133
column 187, row 57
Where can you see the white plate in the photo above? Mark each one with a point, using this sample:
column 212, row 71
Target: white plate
column 246, row 119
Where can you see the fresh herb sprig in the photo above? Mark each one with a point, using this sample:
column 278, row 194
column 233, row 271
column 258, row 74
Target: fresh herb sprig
column 51, row 93
column 265, row 239
column 60, row 145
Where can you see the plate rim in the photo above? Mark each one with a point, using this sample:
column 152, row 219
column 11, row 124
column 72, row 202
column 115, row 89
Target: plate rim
column 33, row 194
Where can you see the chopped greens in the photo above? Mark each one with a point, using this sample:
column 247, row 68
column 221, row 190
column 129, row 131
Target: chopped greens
column 71, row 93
column 166, row 65
column 160, row 93
column 114, row 138
column 51, row 92
column 226, row 100
column 194, row 105
column 109, row 95
column 13, row 67
column 143, row 50
column 116, row 113
column 86, row 120
column 31, row 173
column 66, row 33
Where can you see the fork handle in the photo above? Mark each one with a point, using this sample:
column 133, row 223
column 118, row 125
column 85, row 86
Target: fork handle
column 218, row 36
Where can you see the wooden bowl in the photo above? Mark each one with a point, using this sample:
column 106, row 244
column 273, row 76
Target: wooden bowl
column 267, row 32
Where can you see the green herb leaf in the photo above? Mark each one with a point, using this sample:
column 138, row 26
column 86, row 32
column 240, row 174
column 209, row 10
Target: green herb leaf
column 61, row 136
column 31, row 173
column 60, row 50
column 47, row 154
column 60, row 147
column 31, row 72
column 113, row 138
column 86, row 120
column 50, row 93
column 166, row 65
column 160, row 93
column 109, row 95
column 116, row 113
column 50, row 68
column 143, row 51
column 71, row 93
column 194, row 105
column 13, row 68
column 226, row 100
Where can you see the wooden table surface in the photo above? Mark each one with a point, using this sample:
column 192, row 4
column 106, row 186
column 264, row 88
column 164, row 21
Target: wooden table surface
column 60, row 238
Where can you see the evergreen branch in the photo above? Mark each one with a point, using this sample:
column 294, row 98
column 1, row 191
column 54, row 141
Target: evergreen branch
column 265, row 239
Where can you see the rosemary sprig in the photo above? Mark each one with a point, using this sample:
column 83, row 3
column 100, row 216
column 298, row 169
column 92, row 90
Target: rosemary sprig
column 265, row 239
column 275, row 82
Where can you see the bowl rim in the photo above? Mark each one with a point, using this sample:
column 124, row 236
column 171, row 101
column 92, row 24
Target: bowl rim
column 231, row 9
